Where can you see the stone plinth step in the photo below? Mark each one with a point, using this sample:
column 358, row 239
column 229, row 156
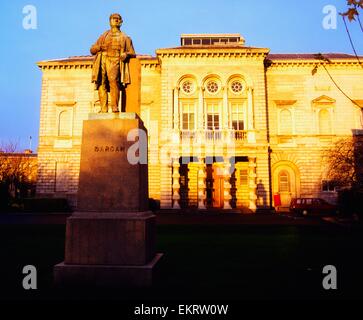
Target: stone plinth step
column 105, row 276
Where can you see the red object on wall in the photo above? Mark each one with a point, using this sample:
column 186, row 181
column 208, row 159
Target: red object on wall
column 277, row 200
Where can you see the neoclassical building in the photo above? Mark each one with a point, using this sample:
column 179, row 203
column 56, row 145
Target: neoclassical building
column 229, row 125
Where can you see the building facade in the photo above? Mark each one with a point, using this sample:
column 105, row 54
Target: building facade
column 229, row 126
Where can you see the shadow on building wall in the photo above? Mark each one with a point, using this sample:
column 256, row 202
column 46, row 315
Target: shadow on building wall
column 261, row 195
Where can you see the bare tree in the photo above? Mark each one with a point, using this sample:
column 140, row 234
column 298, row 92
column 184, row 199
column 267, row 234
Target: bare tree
column 17, row 173
column 345, row 161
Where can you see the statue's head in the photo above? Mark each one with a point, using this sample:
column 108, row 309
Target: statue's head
column 116, row 20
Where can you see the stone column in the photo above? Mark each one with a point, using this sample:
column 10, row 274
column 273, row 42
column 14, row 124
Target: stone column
column 202, row 175
column 251, row 136
column 176, row 108
column 201, row 116
column 252, row 182
column 250, row 125
column 176, row 184
column 227, row 185
column 225, row 116
column 230, row 116
column 225, row 110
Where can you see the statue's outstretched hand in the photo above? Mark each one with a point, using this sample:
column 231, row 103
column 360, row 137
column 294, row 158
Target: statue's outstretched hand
column 123, row 56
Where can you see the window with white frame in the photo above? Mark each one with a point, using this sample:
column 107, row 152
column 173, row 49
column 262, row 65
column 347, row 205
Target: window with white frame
column 188, row 116
column 213, row 116
column 238, row 116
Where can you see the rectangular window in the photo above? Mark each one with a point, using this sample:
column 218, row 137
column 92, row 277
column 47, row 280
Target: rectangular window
column 187, row 42
column 238, row 117
column 213, row 121
column 188, row 121
column 213, row 116
column 328, row 186
column 188, row 117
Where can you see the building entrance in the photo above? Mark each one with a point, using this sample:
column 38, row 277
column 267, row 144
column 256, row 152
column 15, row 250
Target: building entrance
column 215, row 185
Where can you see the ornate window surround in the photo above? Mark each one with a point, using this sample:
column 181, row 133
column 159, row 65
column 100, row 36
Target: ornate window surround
column 282, row 105
column 323, row 103
column 61, row 107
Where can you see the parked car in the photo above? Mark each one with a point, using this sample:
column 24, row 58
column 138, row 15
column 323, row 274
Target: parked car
column 312, row 206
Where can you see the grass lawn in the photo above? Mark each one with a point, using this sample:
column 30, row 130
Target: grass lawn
column 203, row 262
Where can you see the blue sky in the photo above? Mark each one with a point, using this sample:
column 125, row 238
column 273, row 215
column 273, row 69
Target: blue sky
column 69, row 27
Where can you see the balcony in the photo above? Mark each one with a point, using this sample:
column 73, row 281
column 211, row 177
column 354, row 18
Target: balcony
column 214, row 136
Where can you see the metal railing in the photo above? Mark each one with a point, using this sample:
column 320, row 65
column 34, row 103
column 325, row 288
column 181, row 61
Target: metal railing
column 213, row 135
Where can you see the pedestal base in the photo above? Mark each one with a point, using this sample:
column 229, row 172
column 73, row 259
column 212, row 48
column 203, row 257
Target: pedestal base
column 105, row 276
column 108, row 250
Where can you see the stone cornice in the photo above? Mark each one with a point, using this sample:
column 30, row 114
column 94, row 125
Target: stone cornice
column 86, row 62
column 310, row 63
column 150, row 62
column 190, row 52
column 44, row 65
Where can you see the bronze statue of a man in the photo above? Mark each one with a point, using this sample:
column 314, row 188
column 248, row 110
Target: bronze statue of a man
column 111, row 71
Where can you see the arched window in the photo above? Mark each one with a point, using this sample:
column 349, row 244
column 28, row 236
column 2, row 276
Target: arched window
column 324, row 122
column 284, row 181
column 186, row 107
column 65, row 123
column 285, row 122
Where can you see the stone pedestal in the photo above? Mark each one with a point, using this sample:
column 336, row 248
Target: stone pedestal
column 108, row 250
column 108, row 182
column 110, row 240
